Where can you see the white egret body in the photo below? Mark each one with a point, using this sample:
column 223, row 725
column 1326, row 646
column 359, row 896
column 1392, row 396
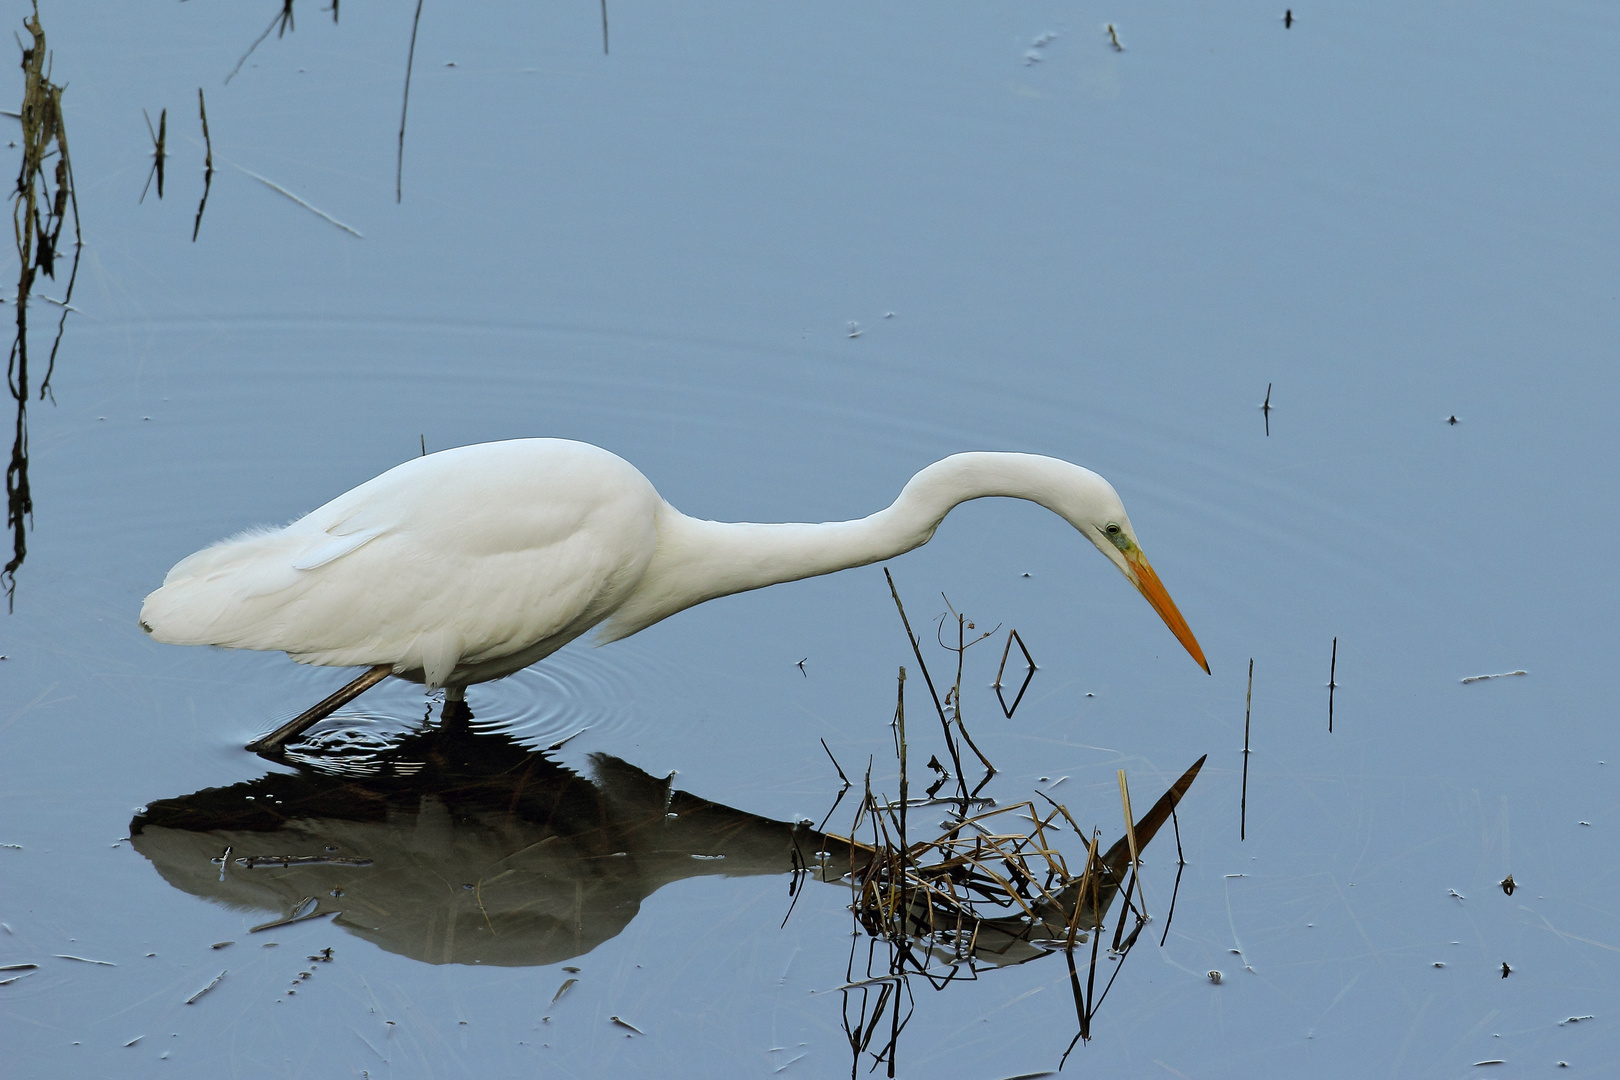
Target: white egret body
column 469, row 564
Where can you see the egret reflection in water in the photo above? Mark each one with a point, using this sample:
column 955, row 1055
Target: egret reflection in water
column 460, row 846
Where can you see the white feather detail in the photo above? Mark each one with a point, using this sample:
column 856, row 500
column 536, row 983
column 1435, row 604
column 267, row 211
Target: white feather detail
column 441, row 652
column 335, row 547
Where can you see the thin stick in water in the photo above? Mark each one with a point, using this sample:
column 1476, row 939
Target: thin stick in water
column 1333, row 668
column 405, row 104
column 604, row 28
column 916, row 650
column 1243, row 804
column 208, row 164
column 317, row 211
column 1130, row 837
column 284, row 17
column 192, row 1000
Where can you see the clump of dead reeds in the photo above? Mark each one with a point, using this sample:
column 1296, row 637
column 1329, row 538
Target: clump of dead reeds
column 988, row 887
column 39, row 211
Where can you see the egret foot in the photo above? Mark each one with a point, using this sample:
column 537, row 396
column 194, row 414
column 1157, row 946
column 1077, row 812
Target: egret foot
column 277, row 739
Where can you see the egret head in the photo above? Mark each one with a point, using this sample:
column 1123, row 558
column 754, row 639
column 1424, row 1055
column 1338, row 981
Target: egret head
column 1111, row 531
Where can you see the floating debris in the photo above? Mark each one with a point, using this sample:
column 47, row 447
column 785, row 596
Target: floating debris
column 1508, row 884
column 1506, row 971
column 563, row 989
column 192, row 1000
column 221, row 944
column 307, row 908
column 317, row 211
column 1574, row 1020
column 626, row 1024
column 1215, row 977
column 84, row 959
column 1498, row 675
column 252, row 862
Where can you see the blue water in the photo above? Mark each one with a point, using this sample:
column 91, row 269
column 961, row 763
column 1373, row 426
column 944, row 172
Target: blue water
column 1388, row 215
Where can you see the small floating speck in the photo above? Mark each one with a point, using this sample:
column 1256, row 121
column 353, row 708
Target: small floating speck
column 221, row 944
column 1574, row 1020
column 626, row 1024
column 1215, row 977
column 135, row 1040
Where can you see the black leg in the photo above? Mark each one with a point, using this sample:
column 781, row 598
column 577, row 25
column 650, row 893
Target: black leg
column 273, row 742
column 454, row 713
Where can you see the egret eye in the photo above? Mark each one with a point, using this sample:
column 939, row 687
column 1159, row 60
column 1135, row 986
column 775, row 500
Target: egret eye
column 1113, row 530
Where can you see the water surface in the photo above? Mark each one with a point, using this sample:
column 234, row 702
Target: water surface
column 688, row 251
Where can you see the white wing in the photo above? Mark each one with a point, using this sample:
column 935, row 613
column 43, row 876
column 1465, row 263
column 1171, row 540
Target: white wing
column 457, row 558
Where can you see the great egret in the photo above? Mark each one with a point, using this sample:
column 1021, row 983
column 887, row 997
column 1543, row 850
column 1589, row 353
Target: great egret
column 469, row 564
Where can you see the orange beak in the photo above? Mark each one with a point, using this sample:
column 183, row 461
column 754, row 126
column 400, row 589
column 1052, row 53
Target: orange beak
column 1148, row 584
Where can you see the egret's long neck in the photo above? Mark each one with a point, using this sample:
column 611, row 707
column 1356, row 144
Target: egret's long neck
column 699, row 560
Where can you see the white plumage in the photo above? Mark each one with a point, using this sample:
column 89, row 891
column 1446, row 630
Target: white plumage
column 472, row 563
